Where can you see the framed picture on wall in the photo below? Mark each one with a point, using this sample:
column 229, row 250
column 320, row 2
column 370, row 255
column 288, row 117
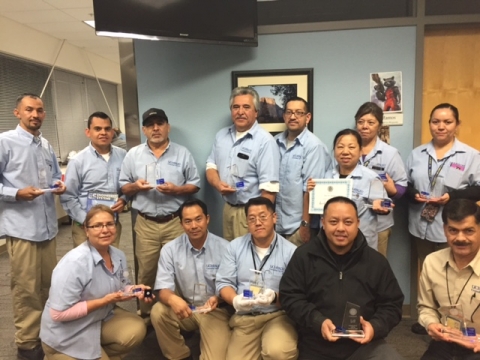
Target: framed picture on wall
column 275, row 87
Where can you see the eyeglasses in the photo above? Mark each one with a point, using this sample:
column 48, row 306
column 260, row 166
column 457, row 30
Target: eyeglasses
column 262, row 218
column 297, row 113
column 99, row 227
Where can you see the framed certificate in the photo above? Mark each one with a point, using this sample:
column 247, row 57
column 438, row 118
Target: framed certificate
column 325, row 189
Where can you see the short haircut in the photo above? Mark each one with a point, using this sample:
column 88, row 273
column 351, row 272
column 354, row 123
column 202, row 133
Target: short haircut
column 297, row 98
column 370, row 108
column 460, row 209
column 98, row 114
column 24, row 95
column 191, row 203
column 454, row 109
column 348, row 132
column 258, row 201
column 340, row 199
column 246, row 91
column 96, row 210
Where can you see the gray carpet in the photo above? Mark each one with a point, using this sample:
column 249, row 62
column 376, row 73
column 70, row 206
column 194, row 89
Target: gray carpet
column 409, row 345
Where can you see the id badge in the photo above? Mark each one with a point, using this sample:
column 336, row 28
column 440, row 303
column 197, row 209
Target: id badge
column 429, row 212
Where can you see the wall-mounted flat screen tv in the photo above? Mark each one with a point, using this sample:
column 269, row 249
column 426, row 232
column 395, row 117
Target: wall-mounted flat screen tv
column 211, row 21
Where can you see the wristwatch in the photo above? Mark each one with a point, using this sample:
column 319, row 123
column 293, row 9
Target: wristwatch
column 305, row 223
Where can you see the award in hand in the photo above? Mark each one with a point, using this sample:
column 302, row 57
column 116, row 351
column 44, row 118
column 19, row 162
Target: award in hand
column 200, row 298
column 351, row 326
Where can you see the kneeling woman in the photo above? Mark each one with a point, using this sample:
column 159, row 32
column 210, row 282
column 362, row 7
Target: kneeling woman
column 347, row 151
column 80, row 319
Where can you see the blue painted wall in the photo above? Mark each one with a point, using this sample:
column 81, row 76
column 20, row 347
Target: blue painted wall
column 192, row 83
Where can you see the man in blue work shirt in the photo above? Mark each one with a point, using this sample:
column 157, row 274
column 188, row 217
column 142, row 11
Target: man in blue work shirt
column 94, row 171
column 256, row 262
column 29, row 180
column 243, row 163
column 159, row 175
column 302, row 156
column 186, row 273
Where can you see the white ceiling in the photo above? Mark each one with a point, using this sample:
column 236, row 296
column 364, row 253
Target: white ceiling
column 62, row 19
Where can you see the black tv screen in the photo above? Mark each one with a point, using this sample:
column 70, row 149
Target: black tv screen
column 213, row 21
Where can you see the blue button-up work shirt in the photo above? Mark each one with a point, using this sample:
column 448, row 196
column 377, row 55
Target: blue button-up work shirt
column 25, row 161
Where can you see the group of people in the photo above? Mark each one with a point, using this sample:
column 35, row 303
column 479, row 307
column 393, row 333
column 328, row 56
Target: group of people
column 263, row 297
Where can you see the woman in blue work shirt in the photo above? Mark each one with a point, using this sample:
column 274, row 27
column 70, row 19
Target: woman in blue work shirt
column 439, row 171
column 347, row 151
column 382, row 158
column 80, row 319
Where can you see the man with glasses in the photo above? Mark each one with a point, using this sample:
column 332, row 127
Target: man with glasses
column 186, row 284
column 243, row 162
column 302, row 156
column 94, row 171
column 159, row 175
column 29, row 181
column 248, row 278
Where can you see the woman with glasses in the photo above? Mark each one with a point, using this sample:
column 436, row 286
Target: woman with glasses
column 81, row 319
column 382, row 158
column 347, row 151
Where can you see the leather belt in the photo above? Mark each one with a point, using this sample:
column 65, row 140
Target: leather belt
column 235, row 205
column 160, row 219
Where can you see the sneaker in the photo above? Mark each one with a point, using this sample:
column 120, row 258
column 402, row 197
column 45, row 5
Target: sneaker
column 32, row 354
column 418, row 329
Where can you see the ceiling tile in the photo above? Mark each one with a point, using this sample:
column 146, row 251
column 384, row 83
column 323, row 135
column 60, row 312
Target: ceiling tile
column 80, row 13
column 23, row 5
column 70, row 4
column 38, row 16
column 64, row 27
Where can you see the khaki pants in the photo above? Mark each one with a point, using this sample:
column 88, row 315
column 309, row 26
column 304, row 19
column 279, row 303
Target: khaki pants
column 79, row 236
column 234, row 222
column 150, row 238
column 269, row 336
column 119, row 335
column 383, row 241
column 214, row 332
column 31, row 264
column 426, row 247
column 296, row 239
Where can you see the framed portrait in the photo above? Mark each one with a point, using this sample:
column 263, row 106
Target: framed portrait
column 274, row 88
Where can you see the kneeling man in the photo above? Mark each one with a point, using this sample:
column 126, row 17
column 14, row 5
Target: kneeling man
column 187, row 264
column 452, row 277
column 335, row 268
column 256, row 262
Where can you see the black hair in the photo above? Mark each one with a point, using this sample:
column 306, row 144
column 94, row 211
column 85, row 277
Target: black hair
column 191, row 203
column 340, row 199
column 454, row 109
column 459, row 209
column 24, row 95
column 370, row 108
column 348, row 132
column 297, row 98
column 259, row 201
column 98, row 114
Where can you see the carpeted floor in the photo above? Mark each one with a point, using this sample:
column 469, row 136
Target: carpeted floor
column 409, row 345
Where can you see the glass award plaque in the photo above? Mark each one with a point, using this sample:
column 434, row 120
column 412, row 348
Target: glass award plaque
column 453, row 319
column 151, row 173
column 159, row 180
column 200, row 298
column 257, row 284
column 377, row 190
column 351, row 326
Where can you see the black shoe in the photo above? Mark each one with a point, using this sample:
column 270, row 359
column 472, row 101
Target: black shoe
column 32, row 354
column 418, row 329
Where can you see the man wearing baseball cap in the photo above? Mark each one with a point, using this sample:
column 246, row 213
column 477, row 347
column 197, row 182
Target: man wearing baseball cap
column 159, row 175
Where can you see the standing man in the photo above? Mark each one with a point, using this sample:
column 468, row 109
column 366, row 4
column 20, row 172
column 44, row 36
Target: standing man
column 252, row 262
column 243, row 162
column 95, row 169
column 302, row 156
column 159, row 176
column 191, row 259
column 28, row 173
column 449, row 277
column 332, row 269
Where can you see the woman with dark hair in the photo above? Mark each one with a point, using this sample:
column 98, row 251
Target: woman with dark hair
column 439, row 171
column 382, row 158
column 347, row 151
column 80, row 319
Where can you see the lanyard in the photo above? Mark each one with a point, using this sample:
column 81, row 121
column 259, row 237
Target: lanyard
column 265, row 259
column 366, row 163
column 463, row 288
column 433, row 179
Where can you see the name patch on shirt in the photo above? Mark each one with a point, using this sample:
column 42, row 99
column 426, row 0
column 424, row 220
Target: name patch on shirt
column 174, row 163
column 476, row 288
column 379, row 167
column 457, row 166
column 279, row 269
column 297, row 157
column 357, row 192
column 246, row 150
column 212, row 266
